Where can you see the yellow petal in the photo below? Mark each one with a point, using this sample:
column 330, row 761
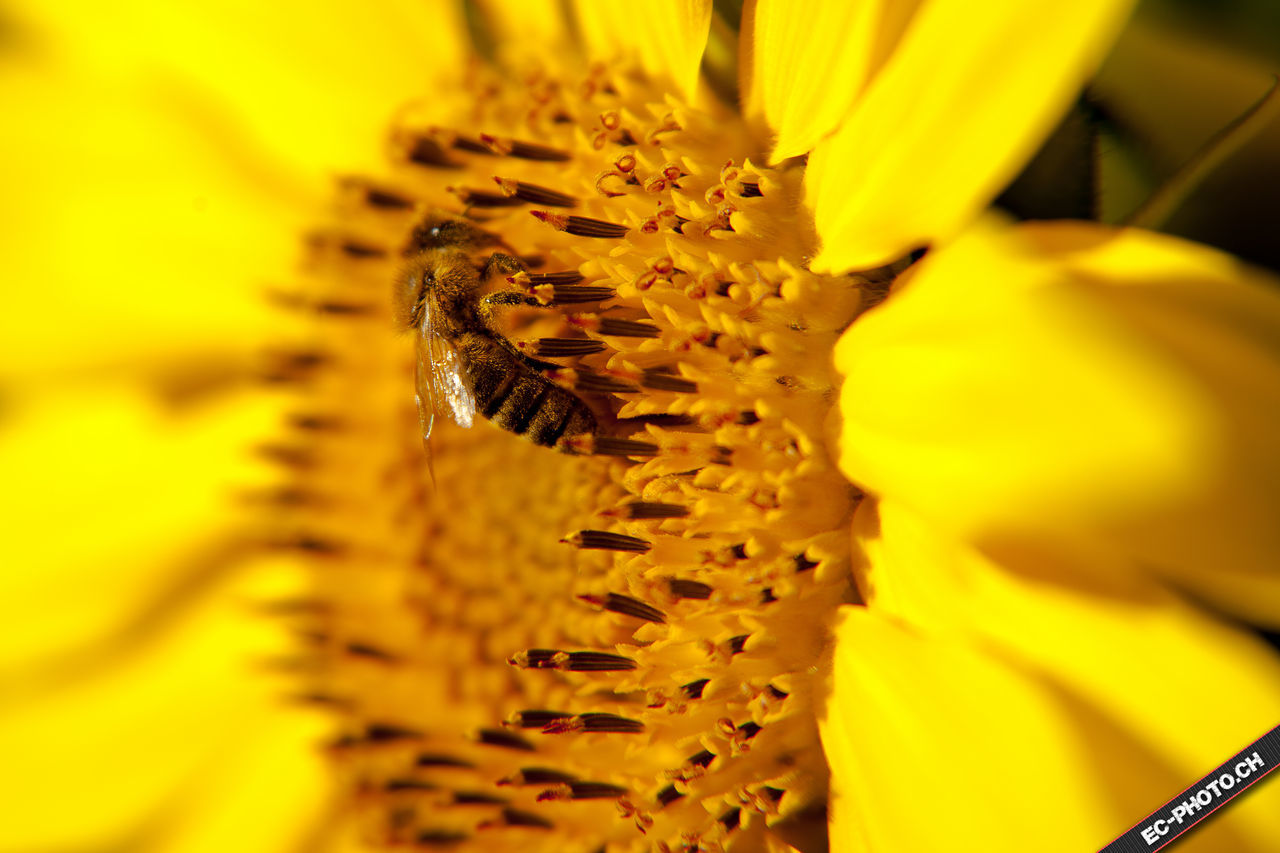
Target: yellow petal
column 963, row 102
column 113, row 510
column 1097, row 693
column 811, row 61
column 666, row 36
column 912, row 722
column 1067, row 383
column 167, row 161
column 105, row 763
column 528, row 30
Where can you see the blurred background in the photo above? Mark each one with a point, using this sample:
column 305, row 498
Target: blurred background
column 158, row 163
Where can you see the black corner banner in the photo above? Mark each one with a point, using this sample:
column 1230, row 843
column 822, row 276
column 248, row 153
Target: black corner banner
column 1184, row 812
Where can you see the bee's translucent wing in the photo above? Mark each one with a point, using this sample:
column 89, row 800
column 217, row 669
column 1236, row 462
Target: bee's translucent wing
column 441, row 386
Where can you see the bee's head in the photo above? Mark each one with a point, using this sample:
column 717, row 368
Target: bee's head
column 440, row 230
column 411, row 289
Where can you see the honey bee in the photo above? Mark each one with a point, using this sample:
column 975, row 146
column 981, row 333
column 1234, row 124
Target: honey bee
column 465, row 364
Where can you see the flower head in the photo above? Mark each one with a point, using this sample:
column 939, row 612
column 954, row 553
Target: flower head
column 665, row 633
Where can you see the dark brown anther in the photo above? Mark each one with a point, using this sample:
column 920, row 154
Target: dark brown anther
column 595, row 791
column 288, row 455
column 474, row 146
column 626, row 328
column 667, row 796
column 352, row 247
column 522, row 150
column 642, row 510
column 376, row 197
column 747, row 418
column 605, row 540
column 440, row 838
column 364, row 650
column 571, row 661
column 667, row 382
column 533, row 658
column 750, row 190
column 777, row 694
column 594, row 383
column 388, row 733
column 534, row 194
column 538, row 776
column 313, row 423
column 344, row 309
column 435, row 759
column 555, row 278
column 681, row 588
column 515, row 817
column 594, row 445
column 625, row 605
column 316, row 546
column 562, row 347
column 767, row 596
column 748, row 730
column 730, row 819
column 598, row 662
column 611, row 723
column 395, row 785
column 803, row 563
column 480, row 198
column 504, row 739
column 566, row 294
column 281, row 367
column 580, row 226
column 536, row 719
column 738, row 643
column 693, row 690
column 425, row 151
column 477, row 798
column 700, row 759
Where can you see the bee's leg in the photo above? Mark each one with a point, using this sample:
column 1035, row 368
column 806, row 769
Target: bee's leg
column 486, row 306
column 502, row 264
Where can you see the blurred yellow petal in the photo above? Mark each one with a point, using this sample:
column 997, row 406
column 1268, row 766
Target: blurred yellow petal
column 666, row 36
column 119, row 502
column 126, row 748
column 1098, row 693
column 166, row 162
column 1218, row 322
column 531, row 31
column 964, row 100
column 318, row 96
column 1118, row 395
column 921, row 733
column 811, row 60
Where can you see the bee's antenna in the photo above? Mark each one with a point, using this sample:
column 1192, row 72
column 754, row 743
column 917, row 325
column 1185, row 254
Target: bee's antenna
column 431, row 467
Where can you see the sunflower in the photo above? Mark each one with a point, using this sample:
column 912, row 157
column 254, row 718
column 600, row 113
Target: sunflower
column 857, row 529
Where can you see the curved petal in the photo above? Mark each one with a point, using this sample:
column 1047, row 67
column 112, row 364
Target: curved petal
column 911, row 722
column 1073, row 384
column 159, row 727
column 1097, row 694
column 667, row 36
column 528, row 30
column 167, row 159
column 962, row 103
column 116, row 509
column 811, row 62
